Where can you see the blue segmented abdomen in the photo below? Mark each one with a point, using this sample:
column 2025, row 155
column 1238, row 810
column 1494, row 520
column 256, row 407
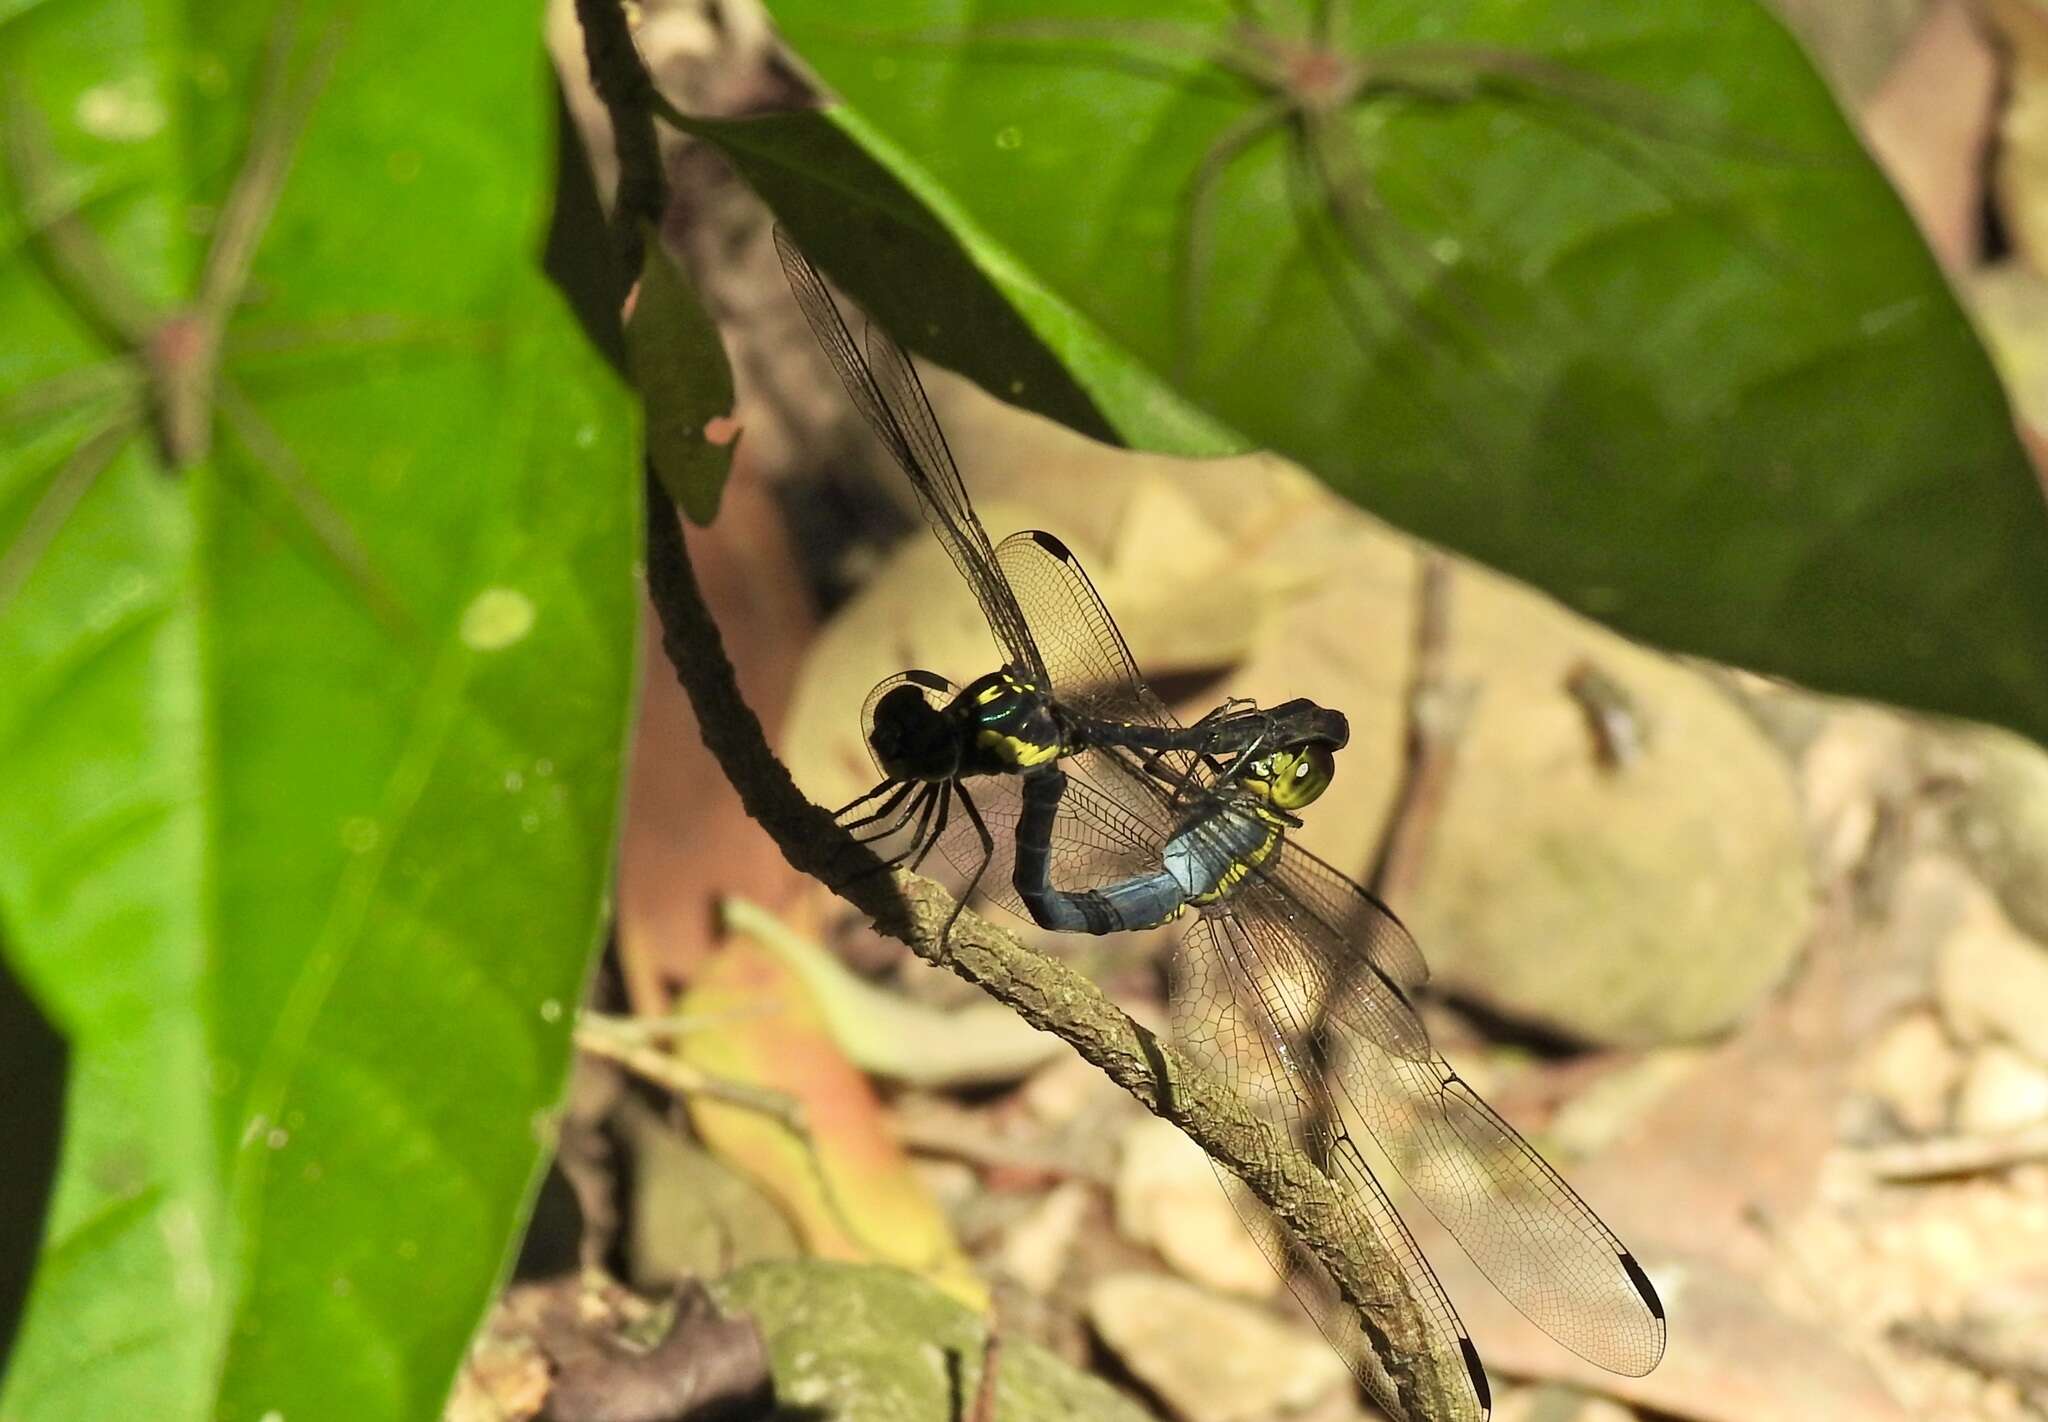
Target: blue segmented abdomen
column 1202, row 863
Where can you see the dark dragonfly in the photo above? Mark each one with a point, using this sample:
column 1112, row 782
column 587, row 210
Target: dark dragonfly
column 1291, row 983
column 928, row 737
column 1295, row 985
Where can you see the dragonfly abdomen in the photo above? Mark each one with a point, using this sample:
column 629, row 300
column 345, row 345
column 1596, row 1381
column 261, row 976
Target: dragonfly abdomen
column 1202, row 862
column 1212, row 855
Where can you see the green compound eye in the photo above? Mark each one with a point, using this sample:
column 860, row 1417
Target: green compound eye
column 1301, row 775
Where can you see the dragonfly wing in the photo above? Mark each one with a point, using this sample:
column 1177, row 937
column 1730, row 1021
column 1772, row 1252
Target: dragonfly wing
column 1352, row 913
column 1090, row 662
column 1228, row 1021
column 884, row 387
column 1092, row 670
column 1527, row 1230
column 1323, row 975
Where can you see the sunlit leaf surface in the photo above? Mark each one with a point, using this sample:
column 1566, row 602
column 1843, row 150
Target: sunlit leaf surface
column 1607, row 296
column 317, row 661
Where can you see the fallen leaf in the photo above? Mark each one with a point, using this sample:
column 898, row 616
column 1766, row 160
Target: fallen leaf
column 889, row 1035
column 1930, row 125
column 687, row 842
column 841, row 1177
column 1211, row 1359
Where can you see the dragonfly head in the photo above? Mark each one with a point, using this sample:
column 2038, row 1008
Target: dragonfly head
column 908, row 730
column 1293, row 776
column 1299, row 722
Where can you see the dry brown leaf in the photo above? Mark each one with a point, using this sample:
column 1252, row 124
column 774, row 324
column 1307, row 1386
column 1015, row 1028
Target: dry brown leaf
column 842, row 1178
column 687, row 842
column 1930, row 123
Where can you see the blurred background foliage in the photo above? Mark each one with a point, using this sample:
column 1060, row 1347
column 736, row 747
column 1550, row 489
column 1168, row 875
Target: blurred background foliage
column 316, row 531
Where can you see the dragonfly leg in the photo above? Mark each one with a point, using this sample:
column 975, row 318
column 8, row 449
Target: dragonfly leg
column 926, row 806
column 894, row 789
column 939, row 828
column 872, row 830
column 988, row 853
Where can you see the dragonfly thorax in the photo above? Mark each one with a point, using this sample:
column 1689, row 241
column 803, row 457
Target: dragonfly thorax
column 1014, row 726
column 1001, row 724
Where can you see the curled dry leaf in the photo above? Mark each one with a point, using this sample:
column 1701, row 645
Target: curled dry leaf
column 842, row 1179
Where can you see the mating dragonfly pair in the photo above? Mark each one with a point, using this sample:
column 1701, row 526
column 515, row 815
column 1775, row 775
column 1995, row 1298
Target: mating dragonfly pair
column 1290, row 983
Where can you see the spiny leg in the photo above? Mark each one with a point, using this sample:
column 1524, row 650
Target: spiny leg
column 894, row 789
column 187, row 369
column 938, row 829
column 1181, row 56
column 1628, row 135
column 59, row 497
column 988, row 854
column 1353, row 209
column 1317, row 242
column 69, row 253
column 333, row 542
column 928, row 805
column 1336, row 263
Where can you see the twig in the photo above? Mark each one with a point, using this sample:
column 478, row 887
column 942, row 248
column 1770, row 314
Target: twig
column 622, row 82
column 1944, row 1156
column 905, row 906
column 984, row 1409
column 959, row 1135
column 1437, row 712
column 705, row 1366
column 2014, row 1353
column 615, row 1040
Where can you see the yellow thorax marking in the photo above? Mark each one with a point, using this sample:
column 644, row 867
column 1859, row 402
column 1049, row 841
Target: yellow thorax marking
column 1016, row 749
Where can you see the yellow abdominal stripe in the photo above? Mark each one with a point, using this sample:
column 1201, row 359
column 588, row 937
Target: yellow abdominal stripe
column 1241, row 866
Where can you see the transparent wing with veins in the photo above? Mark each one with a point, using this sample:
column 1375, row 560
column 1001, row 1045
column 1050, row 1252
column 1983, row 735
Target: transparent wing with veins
column 884, row 387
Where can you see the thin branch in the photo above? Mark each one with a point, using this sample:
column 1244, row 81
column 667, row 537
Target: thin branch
column 1943, row 1157
column 617, row 1040
column 622, row 82
column 1437, row 711
column 1043, row 992
column 984, row 1409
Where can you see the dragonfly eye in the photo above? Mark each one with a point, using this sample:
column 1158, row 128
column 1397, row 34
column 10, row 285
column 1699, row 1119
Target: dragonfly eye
column 1305, row 773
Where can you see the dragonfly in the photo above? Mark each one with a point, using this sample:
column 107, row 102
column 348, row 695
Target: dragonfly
column 1296, row 986
column 1290, row 983
column 930, row 738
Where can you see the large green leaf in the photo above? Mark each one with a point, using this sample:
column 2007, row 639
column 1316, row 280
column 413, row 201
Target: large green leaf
column 1606, row 295
column 317, row 679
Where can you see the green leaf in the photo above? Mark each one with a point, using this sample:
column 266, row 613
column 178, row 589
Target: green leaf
column 318, row 676
column 679, row 366
column 950, row 294
column 1607, row 296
